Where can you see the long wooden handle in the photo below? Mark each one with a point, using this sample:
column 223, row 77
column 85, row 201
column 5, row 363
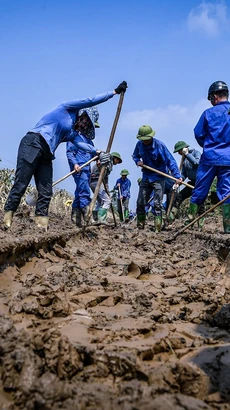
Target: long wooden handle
column 122, row 210
column 73, row 172
column 201, row 216
column 111, row 206
column 100, row 179
column 166, row 175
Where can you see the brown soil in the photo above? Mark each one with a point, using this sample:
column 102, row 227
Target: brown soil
column 114, row 318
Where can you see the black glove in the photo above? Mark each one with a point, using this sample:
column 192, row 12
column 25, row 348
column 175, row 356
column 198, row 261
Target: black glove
column 121, row 87
column 104, row 158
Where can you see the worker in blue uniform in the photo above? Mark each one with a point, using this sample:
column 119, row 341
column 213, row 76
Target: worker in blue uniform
column 153, row 153
column 37, row 148
column 212, row 133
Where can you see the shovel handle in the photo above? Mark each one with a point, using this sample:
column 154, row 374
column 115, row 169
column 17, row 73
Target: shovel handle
column 201, row 216
column 122, row 210
column 166, row 175
column 103, row 168
column 73, row 172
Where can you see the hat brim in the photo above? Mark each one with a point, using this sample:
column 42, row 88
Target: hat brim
column 177, row 150
column 147, row 137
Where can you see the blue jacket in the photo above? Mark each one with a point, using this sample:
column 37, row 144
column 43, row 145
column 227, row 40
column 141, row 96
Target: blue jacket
column 81, row 153
column 57, row 125
column 190, row 165
column 125, row 185
column 155, row 155
column 212, row 132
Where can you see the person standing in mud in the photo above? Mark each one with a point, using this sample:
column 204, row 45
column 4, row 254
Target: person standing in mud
column 123, row 186
column 152, row 152
column 190, row 162
column 37, row 149
column 212, row 133
column 103, row 199
column 76, row 158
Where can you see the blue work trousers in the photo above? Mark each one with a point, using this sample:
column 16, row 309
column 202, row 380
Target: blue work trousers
column 34, row 159
column 82, row 192
column 205, row 176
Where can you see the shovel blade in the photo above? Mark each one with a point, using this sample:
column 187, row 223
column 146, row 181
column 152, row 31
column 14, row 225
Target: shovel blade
column 31, row 198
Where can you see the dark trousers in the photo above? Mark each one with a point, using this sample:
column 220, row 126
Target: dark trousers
column 185, row 193
column 34, row 159
column 145, row 190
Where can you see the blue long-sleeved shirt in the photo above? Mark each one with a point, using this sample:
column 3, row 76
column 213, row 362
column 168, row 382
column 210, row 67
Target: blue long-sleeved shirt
column 212, row 132
column 190, row 164
column 57, row 125
column 81, row 153
column 125, row 185
column 155, row 155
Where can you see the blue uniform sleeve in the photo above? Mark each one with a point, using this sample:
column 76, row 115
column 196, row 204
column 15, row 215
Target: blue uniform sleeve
column 71, row 153
column 83, row 145
column 115, row 186
column 200, row 131
column 136, row 155
column 88, row 102
column 125, row 189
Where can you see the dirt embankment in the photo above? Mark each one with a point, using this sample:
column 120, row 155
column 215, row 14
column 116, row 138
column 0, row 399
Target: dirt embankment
column 114, row 318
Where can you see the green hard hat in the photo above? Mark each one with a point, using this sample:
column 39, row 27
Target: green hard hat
column 116, row 155
column 124, row 172
column 145, row 133
column 180, row 145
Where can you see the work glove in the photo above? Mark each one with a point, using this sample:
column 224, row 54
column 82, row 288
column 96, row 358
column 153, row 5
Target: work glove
column 104, row 158
column 121, row 87
column 185, row 151
column 175, row 187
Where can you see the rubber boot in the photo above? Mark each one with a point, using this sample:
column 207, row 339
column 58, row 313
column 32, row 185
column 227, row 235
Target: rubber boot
column 158, row 223
column 192, row 212
column 7, row 220
column 95, row 216
column 121, row 217
column 126, row 215
column 173, row 214
column 201, row 223
column 78, row 218
column 141, row 221
column 42, row 222
column 226, row 217
column 84, row 212
column 102, row 215
column 74, row 215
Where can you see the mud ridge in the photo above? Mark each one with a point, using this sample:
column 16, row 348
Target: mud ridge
column 114, row 319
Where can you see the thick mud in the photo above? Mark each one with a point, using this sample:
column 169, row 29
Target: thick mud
column 114, row 318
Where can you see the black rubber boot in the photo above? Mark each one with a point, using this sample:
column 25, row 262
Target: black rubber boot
column 74, row 215
column 78, row 218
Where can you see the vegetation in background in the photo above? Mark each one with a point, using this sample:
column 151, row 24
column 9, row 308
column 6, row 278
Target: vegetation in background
column 60, row 203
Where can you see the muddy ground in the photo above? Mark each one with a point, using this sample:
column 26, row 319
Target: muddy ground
column 114, row 318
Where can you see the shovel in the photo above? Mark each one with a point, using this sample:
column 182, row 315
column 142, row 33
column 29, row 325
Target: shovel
column 196, row 219
column 31, row 198
column 103, row 169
